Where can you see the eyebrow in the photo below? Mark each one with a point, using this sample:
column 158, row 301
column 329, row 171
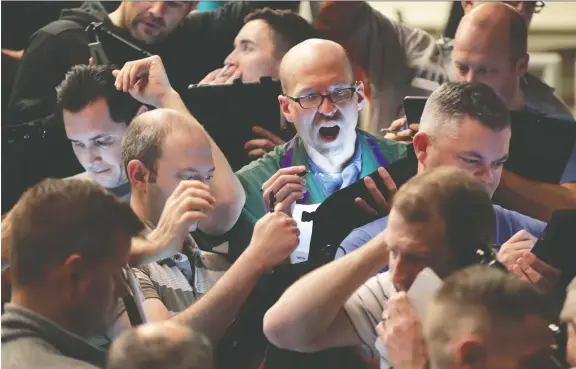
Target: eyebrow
column 246, row 42
column 193, row 170
column 97, row 137
column 478, row 156
column 335, row 86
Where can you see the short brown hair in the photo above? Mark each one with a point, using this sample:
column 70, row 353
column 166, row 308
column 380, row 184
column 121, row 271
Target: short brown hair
column 58, row 218
column 475, row 299
column 289, row 28
column 459, row 199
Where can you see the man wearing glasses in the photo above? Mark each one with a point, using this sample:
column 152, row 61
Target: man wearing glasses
column 322, row 99
column 400, row 61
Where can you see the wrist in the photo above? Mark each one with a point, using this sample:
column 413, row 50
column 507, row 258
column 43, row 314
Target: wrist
column 168, row 99
column 256, row 262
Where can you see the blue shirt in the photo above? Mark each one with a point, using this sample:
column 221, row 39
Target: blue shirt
column 349, row 175
column 507, row 224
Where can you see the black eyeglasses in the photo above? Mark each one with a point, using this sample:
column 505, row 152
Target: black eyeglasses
column 336, row 96
column 538, row 5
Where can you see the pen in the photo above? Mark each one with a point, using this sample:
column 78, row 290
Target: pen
column 223, row 71
column 272, row 199
column 303, row 174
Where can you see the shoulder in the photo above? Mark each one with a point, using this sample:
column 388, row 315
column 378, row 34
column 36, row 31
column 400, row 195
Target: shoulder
column 262, row 169
column 391, row 149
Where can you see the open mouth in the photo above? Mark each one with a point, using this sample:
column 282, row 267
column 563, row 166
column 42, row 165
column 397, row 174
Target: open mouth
column 329, row 133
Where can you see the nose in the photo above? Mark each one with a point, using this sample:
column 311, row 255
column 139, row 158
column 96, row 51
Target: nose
column 471, row 77
column 327, row 107
column 92, row 154
column 402, row 274
column 157, row 9
column 485, row 175
column 231, row 59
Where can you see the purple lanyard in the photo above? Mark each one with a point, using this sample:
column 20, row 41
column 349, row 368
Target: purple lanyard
column 287, row 158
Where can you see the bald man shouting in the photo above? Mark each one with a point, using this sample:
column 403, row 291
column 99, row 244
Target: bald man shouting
column 322, row 99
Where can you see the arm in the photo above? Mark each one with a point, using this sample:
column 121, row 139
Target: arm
column 225, row 187
column 146, row 80
column 538, row 200
column 310, row 315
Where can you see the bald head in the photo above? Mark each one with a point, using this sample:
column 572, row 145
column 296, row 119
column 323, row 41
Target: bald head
column 313, row 57
column 163, row 344
column 497, row 25
column 145, row 137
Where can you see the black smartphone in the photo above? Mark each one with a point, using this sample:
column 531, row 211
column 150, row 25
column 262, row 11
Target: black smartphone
column 413, row 108
column 556, row 245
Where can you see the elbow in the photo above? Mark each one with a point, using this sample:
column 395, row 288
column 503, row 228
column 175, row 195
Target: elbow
column 283, row 333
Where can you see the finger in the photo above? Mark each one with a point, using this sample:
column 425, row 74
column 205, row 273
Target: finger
column 183, row 185
column 260, row 143
column 398, row 124
column 511, row 257
column 283, row 171
column 236, row 75
column 91, row 61
column 285, row 180
column 198, row 193
column 399, row 306
column 520, row 236
column 381, row 329
column 545, row 269
column 288, row 201
column 404, row 134
column 194, row 204
column 126, row 76
column 262, row 132
column 388, row 181
column 258, row 153
column 210, row 77
column 381, row 203
column 191, row 217
column 519, row 273
column 288, row 189
column 415, row 127
column 365, row 207
column 222, row 78
column 509, row 247
column 133, row 77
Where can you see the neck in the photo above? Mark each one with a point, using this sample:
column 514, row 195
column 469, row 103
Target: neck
column 117, row 17
column 43, row 303
column 516, row 103
column 142, row 211
column 332, row 161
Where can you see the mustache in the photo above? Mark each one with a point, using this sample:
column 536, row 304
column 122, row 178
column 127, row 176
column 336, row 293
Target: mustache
column 149, row 19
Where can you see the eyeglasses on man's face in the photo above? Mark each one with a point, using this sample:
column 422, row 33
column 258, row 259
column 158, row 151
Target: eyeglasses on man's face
column 537, row 6
column 336, row 96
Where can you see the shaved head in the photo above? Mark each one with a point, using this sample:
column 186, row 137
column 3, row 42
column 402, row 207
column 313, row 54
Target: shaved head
column 311, row 57
column 495, row 25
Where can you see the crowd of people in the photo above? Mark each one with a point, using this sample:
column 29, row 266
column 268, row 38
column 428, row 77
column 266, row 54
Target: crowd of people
column 134, row 244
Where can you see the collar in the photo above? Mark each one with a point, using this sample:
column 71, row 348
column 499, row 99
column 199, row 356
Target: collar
column 28, row 323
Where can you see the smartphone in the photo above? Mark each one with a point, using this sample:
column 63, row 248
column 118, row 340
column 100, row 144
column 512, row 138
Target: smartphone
column 556, row 245
column 413, row 108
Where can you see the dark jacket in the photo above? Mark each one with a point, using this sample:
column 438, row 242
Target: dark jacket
column 30, row 341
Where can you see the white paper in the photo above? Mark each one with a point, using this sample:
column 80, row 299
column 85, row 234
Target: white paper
column 301, row 253
column 422, row 290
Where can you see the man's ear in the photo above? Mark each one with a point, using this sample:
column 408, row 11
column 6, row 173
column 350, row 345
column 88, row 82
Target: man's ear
column 467, row 5
column 361, row 95
column 470, row 353
column 71, row 274
column 421, row 141
column 137, row 174
column 285, row 107
column 522, row 65
column 142, row 109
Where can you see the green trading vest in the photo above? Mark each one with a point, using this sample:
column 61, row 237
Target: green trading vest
column 253, row 176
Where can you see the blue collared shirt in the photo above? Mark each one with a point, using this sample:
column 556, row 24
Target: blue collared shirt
column 349, row 175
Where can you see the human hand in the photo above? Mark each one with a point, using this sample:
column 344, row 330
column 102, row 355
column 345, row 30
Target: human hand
column 382, row 204
column 275, row 237
column 187, row 206
column 402, row 335
column 145, row 79
column 287, row 186
column 517, row 246
column 396, row 133
column 222, row 76
column 259, row 146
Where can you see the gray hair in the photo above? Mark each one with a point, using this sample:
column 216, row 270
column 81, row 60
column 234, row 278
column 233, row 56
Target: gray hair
column 454, row 100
